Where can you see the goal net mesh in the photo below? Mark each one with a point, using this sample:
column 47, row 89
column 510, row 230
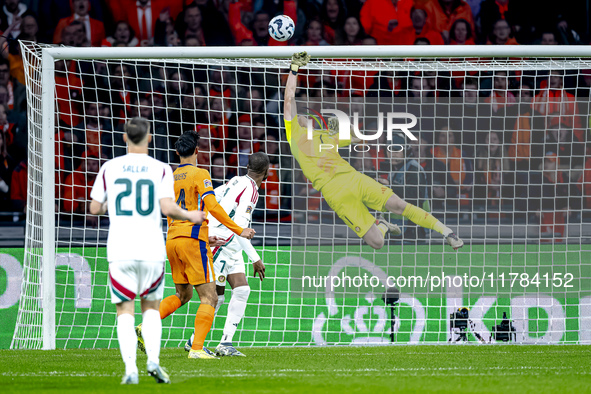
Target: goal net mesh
column 501, row 156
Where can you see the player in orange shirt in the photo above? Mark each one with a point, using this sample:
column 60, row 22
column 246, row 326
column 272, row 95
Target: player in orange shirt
column 187, row 245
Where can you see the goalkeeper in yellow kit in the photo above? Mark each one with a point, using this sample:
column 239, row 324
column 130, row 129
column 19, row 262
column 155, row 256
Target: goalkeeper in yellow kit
column 348, row 192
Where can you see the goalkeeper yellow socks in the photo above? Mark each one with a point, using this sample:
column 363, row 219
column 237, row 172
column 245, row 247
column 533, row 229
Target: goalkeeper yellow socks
column 203, row 322
column 424, row 219
column 169, row 305
column 383, row 229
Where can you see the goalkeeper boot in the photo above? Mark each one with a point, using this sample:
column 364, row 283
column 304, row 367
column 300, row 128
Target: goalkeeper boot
column 140, row 340
column 226, row 349
column 392, row 228
column 454, row 241
column 132, row 378
column 158, row 373
column 202, row 353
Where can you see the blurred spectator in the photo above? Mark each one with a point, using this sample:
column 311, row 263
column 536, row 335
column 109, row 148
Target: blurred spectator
column 163, row 150
column 142, row 15
column 164, row 30
column 174, row 40
column 55, row 10
column 500, row 34
column 221, row 84
column 559, row 105
column 584, row 83
column 77, row 187
column 206, row 148
column 555, row 193
column 566, row 35
column 94, row 29
column 527, row 137
column 122, row 84
column 8, row 129
column 93, row 135
column 422, row 41
column 193, row 41
column 332, row 14
column 6, row 169
column 13, row 13
column 242, row 35
column 452, row 173
column 215, row 24
column 218, row 170
column 559, row 139
column 193, row 25
column 314, row 33
column 272, row 186
column 408, row 35
column 218, row 124
column 351, row 33
column 123, row 34
column 246, row 145
column 385, row 19
column 11, row 49
column 200, row 107
column 255, row 101
column 461, row 33
column 18, row 187
column 419, row 87
column 548, row 38
column 493, row 10
column 500, row 97
column 258, row 133
column 191, row 107
column 16, row 91
column 441, row 15
column 79, row 34
column 258, row 33
column 490, row 166
column 68, row 91
column 421, row 152
column 470, row 91
column 69, row 34
column 386, row 85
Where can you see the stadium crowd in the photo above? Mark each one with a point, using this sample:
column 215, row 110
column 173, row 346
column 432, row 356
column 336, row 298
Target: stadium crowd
column 519, row 135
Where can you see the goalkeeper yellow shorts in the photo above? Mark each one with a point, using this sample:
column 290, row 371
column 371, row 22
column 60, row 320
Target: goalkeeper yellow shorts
column 351, row 194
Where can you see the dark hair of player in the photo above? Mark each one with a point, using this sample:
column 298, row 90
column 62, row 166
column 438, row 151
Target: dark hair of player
column 136, row 129
column 258, row 163
column 187, row 143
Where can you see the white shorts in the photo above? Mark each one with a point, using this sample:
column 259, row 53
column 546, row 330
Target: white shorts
column 226, row 263
column 128, row 279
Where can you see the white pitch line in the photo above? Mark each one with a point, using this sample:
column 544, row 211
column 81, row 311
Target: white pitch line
column 441, row 371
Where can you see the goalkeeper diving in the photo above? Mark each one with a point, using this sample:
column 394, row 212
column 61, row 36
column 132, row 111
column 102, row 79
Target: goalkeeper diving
column 348, row 192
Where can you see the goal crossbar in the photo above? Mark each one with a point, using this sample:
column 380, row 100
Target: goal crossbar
column 402, row 51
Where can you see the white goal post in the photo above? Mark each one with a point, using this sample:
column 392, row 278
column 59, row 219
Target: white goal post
column 307, row 236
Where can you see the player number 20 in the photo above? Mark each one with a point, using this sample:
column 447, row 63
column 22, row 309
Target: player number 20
column 138, row 197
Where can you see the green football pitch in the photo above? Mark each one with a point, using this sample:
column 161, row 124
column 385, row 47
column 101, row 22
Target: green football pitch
column 420, row 369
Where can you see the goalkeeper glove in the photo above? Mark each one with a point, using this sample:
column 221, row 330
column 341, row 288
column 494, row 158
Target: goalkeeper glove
column 298, row 60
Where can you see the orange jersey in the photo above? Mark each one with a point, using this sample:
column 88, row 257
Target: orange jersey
column 191, row 185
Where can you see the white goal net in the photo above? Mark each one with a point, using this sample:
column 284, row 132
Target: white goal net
column 502, row 156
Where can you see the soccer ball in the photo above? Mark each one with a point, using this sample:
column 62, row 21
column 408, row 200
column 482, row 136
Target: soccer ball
column 281, row 28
